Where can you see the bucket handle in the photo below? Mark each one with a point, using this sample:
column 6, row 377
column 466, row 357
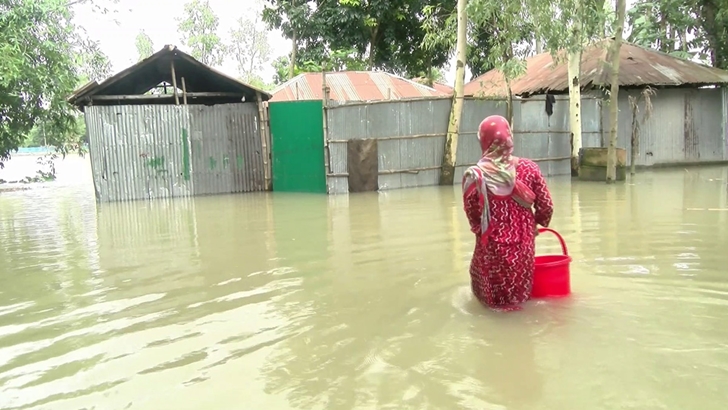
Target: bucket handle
column 561, row 240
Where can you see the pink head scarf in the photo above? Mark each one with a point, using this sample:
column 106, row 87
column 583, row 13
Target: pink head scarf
column 495, row 173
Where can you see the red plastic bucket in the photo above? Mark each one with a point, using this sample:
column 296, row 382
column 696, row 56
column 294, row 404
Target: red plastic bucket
column 551, row 277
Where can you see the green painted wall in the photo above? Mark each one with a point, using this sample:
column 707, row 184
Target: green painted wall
column 297, row 146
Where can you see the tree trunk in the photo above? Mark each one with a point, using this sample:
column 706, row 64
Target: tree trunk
column 372, row 47
column 447, row 175
column 614, row 94
column 708, row 13
column 294, row 50
column 574, row 70
column 574, row 73
column 509, row 103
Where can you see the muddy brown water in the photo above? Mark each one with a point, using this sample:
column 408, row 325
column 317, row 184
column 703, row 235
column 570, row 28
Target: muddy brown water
column 287, row 301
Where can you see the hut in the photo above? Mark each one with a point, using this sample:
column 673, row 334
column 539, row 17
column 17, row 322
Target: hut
column 688, row 116
column 171, row 126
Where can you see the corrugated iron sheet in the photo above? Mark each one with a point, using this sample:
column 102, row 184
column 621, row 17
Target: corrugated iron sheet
column 536, row 135
column 638, row 67
column 406, row 162
column 352, row 86
column 159, row 151
column 226, row 149
column 685, row 127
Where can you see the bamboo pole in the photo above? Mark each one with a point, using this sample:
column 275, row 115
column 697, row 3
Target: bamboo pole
column 184, row 91
column 174, row 83
column 325, row 92
column 264, row 142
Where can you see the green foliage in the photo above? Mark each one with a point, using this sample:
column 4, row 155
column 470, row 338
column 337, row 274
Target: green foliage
column 338, row 60
column 91, row 63
column 695, row 28
column 494, row 30
column 37, row 71
column 383, row 34
column 40, row 134
column 144, row 46
column 258, row 83
column 249, row 46
column 198, row 28
column 500, row 34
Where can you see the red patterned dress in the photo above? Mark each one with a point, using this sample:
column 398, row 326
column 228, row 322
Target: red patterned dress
column 501, row 270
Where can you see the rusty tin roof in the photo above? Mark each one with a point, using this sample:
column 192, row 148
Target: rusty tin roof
column 352, row 86
column 638, row 66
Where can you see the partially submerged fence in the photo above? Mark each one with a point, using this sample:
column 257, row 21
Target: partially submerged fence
column 409, row 138
column 366, row 146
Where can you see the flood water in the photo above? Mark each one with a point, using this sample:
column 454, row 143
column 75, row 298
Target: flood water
column 287, row 301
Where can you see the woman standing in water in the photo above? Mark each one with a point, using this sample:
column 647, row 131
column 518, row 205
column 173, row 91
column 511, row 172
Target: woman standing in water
column 505, row 197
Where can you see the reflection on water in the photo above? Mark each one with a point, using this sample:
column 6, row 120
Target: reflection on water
column 291, row 301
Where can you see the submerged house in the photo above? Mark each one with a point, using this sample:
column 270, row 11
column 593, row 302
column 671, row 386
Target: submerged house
column 171, row 126
column 688, row 117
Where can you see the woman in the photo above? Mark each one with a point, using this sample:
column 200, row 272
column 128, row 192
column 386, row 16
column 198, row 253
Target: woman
column 504, row 198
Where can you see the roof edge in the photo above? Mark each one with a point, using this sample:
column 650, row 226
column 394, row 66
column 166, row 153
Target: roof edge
column 92, row 87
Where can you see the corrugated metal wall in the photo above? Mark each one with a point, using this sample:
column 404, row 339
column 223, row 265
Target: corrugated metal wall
column 160, row 151
column 686, row 126
column 412, row 133
column 226, row 149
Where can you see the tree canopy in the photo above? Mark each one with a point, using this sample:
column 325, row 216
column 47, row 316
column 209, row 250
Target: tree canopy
column 384, row 34
column 45, row 57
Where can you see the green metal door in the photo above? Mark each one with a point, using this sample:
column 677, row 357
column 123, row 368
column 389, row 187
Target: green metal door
column 297, row 146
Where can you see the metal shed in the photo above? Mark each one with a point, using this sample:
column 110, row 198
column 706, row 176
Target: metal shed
column 171, row 126
column 689, row 117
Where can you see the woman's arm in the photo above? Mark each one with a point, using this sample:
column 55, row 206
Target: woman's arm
column 543, row 204
column 472, row 202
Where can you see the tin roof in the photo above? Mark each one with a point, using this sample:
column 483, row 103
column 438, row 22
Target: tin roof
column 155, row 69
column 638, row 66
column 438, row 86
column 352, row 86
column 444, row 88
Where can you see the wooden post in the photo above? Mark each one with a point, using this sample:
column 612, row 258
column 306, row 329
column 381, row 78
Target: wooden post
column 174, row 83
column 634, row 149
column 325, row 91
column 265, row 151
column 449, row 157
column 184, row 91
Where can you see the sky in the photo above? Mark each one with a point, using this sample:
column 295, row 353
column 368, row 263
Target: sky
column 117, row 31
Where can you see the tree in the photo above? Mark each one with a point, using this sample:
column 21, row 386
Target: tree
column 337, row 60
column 293, row 18
column 198, row 28
column 386, row 34
column 614, row 93
column 502, row 26
column 249, row 45
column 37, row 71
column 144, row 45
column 683, row 29
column 90, row 62
column 449, row 157
column 568, row 26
